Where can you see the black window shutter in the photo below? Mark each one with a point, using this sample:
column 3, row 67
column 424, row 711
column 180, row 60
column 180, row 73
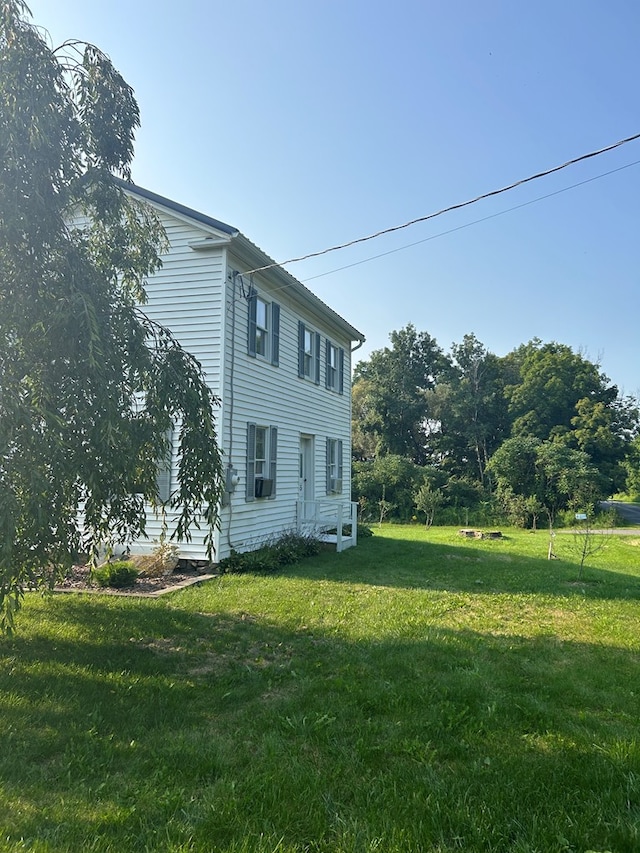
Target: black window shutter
column 300, row 349
column 251, row 462
column 253, row 305
column 275, row 334
column 339, row 451
column 273, row 456
column 341, row 371
column 327, row 366
column 317, row 355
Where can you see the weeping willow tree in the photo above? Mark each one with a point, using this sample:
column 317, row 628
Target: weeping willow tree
column 89, row 386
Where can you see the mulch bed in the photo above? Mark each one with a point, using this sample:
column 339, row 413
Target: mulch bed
column 79, row 580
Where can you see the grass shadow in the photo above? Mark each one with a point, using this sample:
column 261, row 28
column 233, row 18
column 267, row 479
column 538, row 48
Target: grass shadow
column 446, row 562
column 138, row 725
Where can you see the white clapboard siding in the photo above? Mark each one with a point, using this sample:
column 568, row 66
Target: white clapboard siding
column 186, row 295
column 198, row 297
column 269, row 395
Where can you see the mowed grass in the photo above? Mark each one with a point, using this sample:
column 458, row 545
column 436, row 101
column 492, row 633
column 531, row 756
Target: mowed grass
column 419, row 693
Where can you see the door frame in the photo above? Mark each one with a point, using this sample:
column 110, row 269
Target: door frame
column 306, row 468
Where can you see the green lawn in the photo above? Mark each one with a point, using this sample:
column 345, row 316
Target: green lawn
column 419, row 693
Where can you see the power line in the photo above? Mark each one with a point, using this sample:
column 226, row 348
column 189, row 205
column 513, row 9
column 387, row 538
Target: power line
column 461, row 227
column 448, row 209
column 473, row 222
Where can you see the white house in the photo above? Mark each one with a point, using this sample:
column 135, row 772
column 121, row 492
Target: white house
column 279, row 360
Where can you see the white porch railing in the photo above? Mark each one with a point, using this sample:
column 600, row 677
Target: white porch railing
column 323, row 517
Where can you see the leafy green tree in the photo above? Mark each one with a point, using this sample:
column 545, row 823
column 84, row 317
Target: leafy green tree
column 394, row 403
column 89, row 386
column 563, row 397
column 364, row 443
column 513, row 465
column 564, row 477
column 471, row 409
column 520, row 510
column 427, row 501
column 548, row 474
column 391, row 478
column 552, row 380
column 461, row 492
column 604, row 433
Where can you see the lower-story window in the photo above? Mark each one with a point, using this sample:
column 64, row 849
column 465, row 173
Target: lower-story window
column 163, row 481
column 334, row 466
column 262, row 451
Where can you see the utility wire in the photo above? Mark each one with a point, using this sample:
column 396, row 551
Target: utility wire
column 450, row 208
column 473, row 222
column 461, row 227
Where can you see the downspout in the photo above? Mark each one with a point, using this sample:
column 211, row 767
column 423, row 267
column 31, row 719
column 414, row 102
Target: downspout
column 231, row 405
column 353, row 349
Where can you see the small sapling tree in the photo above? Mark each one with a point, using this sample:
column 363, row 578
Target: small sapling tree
column 587, row 541
column 427, row 501
column 384, row 506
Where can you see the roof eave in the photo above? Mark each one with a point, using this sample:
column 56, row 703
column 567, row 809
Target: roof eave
column 249, row 252
column 257, row 258
column 181, row 209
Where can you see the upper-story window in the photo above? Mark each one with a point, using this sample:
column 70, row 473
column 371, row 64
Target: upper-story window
column 264, row 329
column 309, row 340
column 334, row 376
column 308, row 353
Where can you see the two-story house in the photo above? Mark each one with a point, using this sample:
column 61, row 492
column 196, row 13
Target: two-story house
column 279, row 360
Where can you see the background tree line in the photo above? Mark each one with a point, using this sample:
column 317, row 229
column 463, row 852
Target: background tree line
column 526, row 435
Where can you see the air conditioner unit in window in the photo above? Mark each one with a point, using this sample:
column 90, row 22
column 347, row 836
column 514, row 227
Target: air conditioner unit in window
column 336, row 486
column 264, row 487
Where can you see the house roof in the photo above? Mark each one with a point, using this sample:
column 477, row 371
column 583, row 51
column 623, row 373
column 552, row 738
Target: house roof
column 249, row 251
column 179, row 208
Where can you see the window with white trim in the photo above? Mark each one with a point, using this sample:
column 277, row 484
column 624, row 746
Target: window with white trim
column 260, row 457
column 163, row 479
column 309, row 339
column 264, row 329
column 308, row 353
column 262, row 451
column 334, row 364
column 334, row 466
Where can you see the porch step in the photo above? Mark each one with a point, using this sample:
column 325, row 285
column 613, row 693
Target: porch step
column 322, row 516
column 332, row 539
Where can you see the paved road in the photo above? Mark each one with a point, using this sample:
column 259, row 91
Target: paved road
column 630, row 512
column 616, row 531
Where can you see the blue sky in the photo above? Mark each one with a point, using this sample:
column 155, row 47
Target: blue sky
column 306, row 125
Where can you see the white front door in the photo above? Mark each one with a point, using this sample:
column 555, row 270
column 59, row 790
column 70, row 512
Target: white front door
column 306, row 487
